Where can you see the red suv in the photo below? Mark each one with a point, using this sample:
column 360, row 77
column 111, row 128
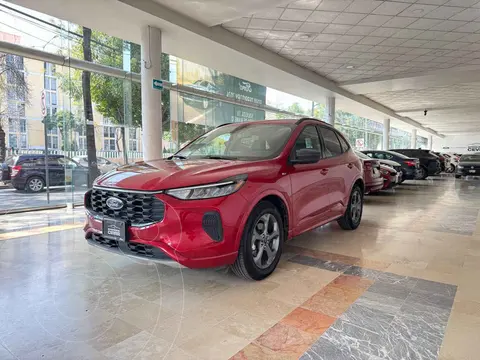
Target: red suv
column 232, row 196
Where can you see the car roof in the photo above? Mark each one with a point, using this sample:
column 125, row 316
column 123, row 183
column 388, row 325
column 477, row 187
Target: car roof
column 32, row 156
column 280, row 121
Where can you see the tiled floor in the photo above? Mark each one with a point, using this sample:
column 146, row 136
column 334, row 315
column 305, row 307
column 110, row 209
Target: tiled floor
column 402, row 286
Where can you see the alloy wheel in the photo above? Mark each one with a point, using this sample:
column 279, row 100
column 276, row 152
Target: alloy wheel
column 35, row 185
column 265, row 240
column 356, row 206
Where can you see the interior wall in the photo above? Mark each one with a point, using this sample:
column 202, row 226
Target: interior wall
column 458, row 143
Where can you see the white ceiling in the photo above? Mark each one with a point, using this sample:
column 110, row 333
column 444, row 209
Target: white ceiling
column 366, row 53
column 408, row 55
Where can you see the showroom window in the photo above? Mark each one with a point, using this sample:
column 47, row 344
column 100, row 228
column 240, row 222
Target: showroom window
column 361, row 133
column 399, row 139
column 422, row 142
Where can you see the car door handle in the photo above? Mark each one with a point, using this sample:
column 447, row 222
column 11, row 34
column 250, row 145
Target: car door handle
column 350, row 166
column 324, row 171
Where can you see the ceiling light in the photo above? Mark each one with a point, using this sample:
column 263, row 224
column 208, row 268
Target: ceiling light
column 306, row 36
column 417, row 11
column 350, row 67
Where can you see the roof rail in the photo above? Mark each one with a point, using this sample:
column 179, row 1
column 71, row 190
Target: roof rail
column 307, row 118
column 223, row 125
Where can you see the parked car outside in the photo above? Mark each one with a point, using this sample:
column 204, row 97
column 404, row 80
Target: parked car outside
column 430, row 164
column 469, row 165
column 371, row 173
column 104, row 165
column 28, row 172
column 409, row 165
column 230, row 197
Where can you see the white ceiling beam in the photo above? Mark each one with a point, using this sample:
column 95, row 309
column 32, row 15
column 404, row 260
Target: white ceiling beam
column 459, row 75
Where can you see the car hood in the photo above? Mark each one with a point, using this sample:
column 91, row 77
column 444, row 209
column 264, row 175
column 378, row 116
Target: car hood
column 168, row 174
column 469, row 163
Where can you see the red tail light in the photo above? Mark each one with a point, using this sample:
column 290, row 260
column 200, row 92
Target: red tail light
column 15, row 170
column 410, row 163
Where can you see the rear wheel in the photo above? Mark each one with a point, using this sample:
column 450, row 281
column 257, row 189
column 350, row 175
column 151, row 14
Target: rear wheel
column 261, row 244
column 35, row 184
column 422, row 173
column 353, row 215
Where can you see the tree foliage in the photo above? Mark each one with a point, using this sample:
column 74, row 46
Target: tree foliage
column 68, row 123
column 13, row 87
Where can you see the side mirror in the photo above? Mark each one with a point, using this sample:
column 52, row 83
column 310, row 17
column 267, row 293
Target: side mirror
column 108, row 162
column 306, row 156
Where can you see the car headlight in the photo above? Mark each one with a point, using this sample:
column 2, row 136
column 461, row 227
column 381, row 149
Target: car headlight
column 385, row 172
column 223, row 188
column 460, row 167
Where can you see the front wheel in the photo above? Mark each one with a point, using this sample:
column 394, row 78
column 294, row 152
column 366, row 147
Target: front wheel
column 261, row 244
column 353, row 215
column 422, row 173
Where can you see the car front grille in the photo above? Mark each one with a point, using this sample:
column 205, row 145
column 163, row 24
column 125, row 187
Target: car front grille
column 138, row 208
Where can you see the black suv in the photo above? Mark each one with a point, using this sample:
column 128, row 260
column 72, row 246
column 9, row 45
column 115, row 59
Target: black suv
column 409, row 165
column 28, row 172
column 430, row 163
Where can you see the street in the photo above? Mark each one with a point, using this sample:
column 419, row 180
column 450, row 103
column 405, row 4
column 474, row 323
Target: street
column 11, row 199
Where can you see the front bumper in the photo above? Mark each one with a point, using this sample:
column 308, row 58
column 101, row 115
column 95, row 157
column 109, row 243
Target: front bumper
column 375, row 185
column 467, row 171
column 182, row 235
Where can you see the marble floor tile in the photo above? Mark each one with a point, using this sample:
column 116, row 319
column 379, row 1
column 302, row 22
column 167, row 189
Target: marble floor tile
column 322, row 264
column 376, row 301
column 324, row 349
column 245, row 325
column 308, row 321
column 392, row 290
column 430, row 299
column 285, row 339
column 436, row 288
column 367, row 318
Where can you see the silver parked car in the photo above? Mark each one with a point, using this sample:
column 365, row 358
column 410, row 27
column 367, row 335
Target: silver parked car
column 104, row 165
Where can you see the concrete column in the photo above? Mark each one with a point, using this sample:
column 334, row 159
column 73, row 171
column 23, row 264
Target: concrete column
column 430, row 142
column 386, row 134
column 151, row 98
column 330, row 113
column 413, row 143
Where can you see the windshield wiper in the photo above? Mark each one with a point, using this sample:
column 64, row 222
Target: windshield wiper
column 219, row 157
column 181, row 157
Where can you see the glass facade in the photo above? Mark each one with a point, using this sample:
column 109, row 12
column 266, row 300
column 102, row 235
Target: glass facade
column 400, row 139
column 44, row 107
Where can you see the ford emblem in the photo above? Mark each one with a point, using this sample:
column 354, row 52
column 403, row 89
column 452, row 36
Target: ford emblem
column 114, row 203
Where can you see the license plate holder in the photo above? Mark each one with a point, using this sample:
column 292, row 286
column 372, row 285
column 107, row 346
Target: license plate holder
column 472, row 171
column 114, row 229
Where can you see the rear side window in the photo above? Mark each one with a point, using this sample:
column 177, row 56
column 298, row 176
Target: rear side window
column 332, row 144
column 308, row 139
column 343, row 142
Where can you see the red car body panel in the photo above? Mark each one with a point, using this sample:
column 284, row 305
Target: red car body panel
column 313, row 194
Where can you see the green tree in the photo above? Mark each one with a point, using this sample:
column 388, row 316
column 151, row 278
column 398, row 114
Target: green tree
column 14, row 91
column 108, row 93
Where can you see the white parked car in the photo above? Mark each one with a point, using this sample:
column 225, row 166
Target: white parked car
column 104, row 165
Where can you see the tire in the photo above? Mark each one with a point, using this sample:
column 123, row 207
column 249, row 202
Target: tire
column 451, row 169
column 34, row 184
column 458, row 176
column 348, row 221
column 245, row 265
column 422, row 173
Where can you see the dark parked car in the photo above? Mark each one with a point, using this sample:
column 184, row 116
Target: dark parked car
column 430, row 163
column 28, row 172
column 468, row 165
column 409, row 165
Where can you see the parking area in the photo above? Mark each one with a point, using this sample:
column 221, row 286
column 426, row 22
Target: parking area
column 402, row 286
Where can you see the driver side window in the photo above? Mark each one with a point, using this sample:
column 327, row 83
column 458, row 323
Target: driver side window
column 308, row 139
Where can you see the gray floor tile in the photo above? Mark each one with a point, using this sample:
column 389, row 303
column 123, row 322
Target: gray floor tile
column 322, row 264
column 395, row 279
column 436, row 287
column 376, row 301
column 429, row 299
column 396, row 291
column 362, row 272
column 323, row 349
column 370, row 319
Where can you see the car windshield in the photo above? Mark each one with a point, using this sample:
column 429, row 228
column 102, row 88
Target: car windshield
column 472, row 157
column 239, row 142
